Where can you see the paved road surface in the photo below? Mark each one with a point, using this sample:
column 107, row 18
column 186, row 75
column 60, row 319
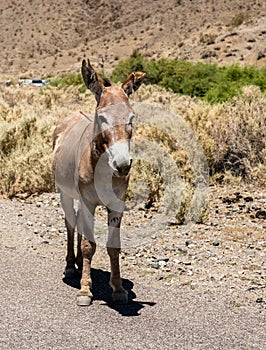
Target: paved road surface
column 38, row 312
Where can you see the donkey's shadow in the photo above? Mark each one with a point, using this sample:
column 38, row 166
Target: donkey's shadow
column 102, row 291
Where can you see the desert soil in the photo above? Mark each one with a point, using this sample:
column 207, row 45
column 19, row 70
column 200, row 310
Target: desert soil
column 193, row 286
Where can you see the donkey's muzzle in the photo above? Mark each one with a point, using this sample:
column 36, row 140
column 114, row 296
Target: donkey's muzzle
column 124, row 168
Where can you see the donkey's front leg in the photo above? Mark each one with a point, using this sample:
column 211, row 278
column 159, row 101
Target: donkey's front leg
column 120, row 295
column 87, row 247
column 84, row 295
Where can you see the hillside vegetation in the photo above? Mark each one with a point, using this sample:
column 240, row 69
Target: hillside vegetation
column 208, row 81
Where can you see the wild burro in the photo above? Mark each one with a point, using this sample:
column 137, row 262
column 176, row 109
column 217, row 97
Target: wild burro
column 91, row 163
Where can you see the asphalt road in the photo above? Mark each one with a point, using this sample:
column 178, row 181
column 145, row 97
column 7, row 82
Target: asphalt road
column 38, row 311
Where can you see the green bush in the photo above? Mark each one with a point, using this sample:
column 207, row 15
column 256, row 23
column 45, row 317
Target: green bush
column 208, row 81
column 68, row 79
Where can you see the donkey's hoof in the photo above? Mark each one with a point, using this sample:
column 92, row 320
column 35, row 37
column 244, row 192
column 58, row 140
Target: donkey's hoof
column 70, row 273
column 120, row 296
column 84, row 298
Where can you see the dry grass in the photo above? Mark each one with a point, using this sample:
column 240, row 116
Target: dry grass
column 27, row 119
column 232, row 134
column 232, row 137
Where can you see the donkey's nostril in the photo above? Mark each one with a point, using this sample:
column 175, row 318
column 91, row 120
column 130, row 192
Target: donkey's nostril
column 124, row 168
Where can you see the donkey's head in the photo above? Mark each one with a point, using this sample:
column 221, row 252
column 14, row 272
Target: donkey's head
column 113, row 117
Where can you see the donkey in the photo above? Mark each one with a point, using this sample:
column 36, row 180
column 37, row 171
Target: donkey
column 91, row 163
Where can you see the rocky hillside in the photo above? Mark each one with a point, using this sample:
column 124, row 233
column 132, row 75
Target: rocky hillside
column 45, row 37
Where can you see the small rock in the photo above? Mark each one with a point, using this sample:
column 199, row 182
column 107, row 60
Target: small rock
column 216, row 243
column 165, row 259
column 261, row 214
column 259, row 300
column 182, row 250
column 155, row 265
column 189, row 242
column 162, row 263
column 131, row 258
column 44, row 242
column 176, row 261
column 29, row 223
column 260, row 55
column 215, row 224
column 250, row 252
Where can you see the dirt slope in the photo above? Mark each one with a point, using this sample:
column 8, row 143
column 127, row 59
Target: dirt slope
column 41, row 37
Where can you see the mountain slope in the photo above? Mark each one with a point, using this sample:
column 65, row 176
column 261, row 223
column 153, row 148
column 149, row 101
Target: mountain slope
column 46, row 37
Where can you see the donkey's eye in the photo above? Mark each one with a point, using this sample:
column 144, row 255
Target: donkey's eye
column 129, row 129
column 130, row 121
column 129, row 125
column 102, row 119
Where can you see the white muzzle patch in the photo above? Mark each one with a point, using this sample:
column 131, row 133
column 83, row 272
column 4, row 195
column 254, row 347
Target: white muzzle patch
column 119, row 158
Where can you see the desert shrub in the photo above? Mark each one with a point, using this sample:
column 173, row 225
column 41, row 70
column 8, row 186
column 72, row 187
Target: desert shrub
column 166, row 155
column 69, row 79
column 27, row 120
column 232, row 135
column 238, row 19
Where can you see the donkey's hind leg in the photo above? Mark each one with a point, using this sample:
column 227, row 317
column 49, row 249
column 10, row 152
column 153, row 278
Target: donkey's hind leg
column 70, row 222
column 79, row 257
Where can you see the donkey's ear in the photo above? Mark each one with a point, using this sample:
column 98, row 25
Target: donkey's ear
column 91, row 79
column 133, row 82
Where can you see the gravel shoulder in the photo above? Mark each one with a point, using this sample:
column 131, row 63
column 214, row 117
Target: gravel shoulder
column 191, row 287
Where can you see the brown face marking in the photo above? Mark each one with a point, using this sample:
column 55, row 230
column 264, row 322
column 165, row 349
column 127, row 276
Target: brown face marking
column 114, row 113
column 112, row 95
